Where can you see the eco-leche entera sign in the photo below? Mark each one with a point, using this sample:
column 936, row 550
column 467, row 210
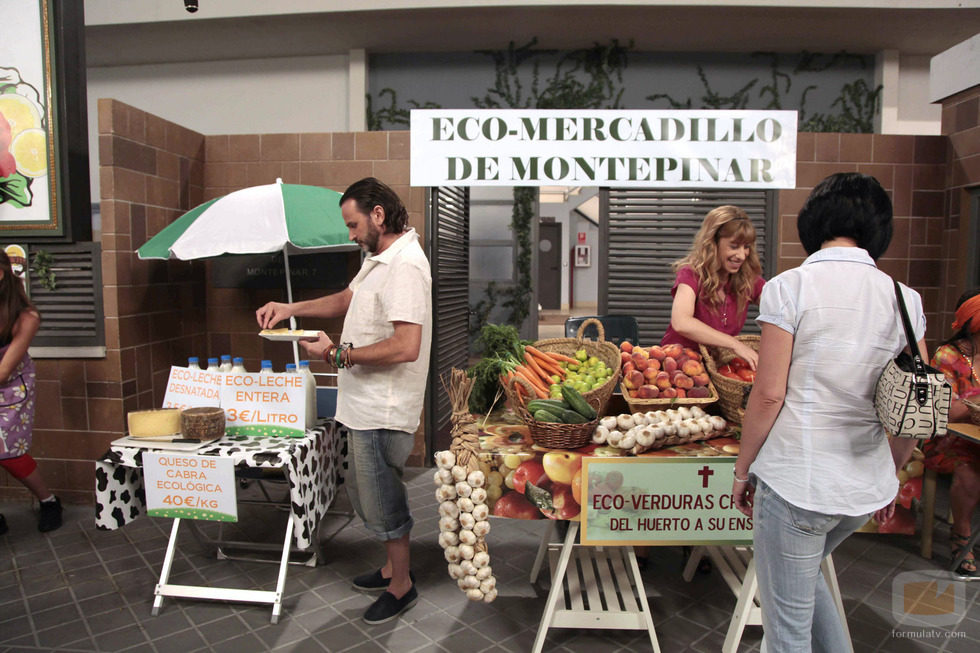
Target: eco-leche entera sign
column 734, row 149
column 661, row 501
column 264, row 404
column 185, row 486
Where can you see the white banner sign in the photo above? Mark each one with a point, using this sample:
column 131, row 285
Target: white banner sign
column 187, row 388
column 264, row 404
column 703, row 149
column 184, row 486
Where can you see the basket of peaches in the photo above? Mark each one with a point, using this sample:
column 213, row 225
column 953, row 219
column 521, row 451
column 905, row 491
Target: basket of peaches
column 663, row 376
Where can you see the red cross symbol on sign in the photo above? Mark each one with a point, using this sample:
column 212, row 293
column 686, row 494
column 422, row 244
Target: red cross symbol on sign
column 704, row 473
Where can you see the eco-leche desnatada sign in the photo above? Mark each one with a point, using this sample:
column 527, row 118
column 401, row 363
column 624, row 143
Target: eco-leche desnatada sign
column 516, row 147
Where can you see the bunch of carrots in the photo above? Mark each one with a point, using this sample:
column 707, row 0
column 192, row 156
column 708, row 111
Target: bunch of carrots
column 537, row 368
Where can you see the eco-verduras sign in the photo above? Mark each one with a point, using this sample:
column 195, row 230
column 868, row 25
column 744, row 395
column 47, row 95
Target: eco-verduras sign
column 513, row 147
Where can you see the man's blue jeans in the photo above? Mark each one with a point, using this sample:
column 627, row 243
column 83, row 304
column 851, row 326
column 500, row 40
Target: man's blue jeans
column 798, row 611
column 375, row 464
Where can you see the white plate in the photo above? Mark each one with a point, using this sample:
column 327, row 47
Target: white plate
column 288, row 336
column 146, row 443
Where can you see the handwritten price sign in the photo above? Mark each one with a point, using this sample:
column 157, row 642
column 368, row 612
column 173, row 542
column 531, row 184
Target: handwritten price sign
column 189, row 487
column 187, row 388
column 264, row 404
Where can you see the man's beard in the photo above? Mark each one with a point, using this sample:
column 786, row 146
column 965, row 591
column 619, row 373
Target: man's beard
column 370, row 241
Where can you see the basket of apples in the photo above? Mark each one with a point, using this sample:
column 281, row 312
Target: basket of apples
column 732, row 376
column 661, row 377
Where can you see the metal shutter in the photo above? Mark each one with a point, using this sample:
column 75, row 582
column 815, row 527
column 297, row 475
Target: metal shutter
column 645, row 230
column 71, row 314
column 448, row 229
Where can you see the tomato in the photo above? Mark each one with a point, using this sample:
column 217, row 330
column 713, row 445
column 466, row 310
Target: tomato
column 726, row 370
column 738, row 364
column 746, row 374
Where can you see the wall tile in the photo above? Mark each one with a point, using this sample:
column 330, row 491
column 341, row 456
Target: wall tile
column 966, row 115
column 370, row 146
column 855, row 147
column 71, row 374
column 930, row 149
column 75, row 413
column 340, row 175
column 901, row 191
column 925, row 273
column 48, row 396
column 257, row 174
column 315, row 147
column 343, row 147
column 244, row 148
column 399, row 145
column 888, row 148
column 885, row 174
column 393, row 173
column 128, row 185
column 805, row 146
column 809, row 175
column 927, row 203
column 216, row 149
column 827, row 147
column 279, row 147
column 106, row 414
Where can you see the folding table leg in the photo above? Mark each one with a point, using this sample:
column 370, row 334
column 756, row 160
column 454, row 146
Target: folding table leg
column 743, row 606
column 283, row 567
column 557, row 590
column 168, row 560
column 542, row 550
column 644, row 604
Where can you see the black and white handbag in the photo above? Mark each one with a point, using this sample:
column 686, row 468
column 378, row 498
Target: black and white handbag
column 912, row 398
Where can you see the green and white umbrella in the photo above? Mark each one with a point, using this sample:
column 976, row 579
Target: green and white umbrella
column 287, row 218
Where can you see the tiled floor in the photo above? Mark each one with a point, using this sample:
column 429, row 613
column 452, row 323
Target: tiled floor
column 79, row 589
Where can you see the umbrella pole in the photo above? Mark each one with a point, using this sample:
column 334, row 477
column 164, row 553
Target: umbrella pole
column 289, row 299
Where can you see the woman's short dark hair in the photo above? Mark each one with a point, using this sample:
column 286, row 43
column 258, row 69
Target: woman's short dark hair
column 369, row 193
column 847, row 205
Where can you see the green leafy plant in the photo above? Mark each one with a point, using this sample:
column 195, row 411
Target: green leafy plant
column 41, row 268
column 392, row 114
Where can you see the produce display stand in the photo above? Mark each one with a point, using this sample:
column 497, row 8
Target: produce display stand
column 310, row 464
column 737, row 567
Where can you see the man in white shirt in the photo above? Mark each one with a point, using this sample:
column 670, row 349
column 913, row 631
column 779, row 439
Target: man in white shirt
column 382, row 362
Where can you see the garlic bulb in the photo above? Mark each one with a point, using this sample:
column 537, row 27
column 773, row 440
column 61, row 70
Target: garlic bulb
column 692, row 426
column 490, row 596
column 479, row 495
column 448, row 509
column 614, row 438
column 466, row 551
column 670, row 429
column 628, row 441
column 445, row 493
column 448, row 539
column 466, row 520
column 474, row 594
column 470, row 582
column 482, row 573
column 684, row 412
column 481, row 560
column 697, row 412
column 465, row 504
column 639, row 419
column 476, row 479
column 644, row 436
column 445, row 459
column 488, row 584
column 609, row 422
column 463, row 489
column 625, row 422
column 455, row 571
column 481, row 528
column 466, row 536
column 705, row 424
column 600, row 435
column 448, row 524
column 718, row 422
column 452, row 554
column 459, row 473
column 468, row 568
column 481, row 512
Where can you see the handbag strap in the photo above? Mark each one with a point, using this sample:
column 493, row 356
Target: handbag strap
column 918, row 365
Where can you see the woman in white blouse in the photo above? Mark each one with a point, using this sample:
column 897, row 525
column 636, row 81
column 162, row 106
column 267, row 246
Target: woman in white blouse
column 815, row 462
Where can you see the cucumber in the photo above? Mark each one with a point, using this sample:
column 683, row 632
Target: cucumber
column 543, row 415
column 551, row 405
column 578, row 402
column 569, row 416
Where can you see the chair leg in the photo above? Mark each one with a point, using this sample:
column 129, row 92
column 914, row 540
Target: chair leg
column 928, row 511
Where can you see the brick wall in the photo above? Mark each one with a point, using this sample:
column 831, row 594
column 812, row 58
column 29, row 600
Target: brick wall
column 961, row 125
column 912, row 170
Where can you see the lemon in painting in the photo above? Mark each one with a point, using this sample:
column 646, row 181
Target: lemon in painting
column 20, row 112
column 30, row 150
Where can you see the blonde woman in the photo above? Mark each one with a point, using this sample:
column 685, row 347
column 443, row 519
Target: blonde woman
column 715, row 284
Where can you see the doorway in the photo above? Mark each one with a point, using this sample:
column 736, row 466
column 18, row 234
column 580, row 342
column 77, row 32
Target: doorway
column 549, row 265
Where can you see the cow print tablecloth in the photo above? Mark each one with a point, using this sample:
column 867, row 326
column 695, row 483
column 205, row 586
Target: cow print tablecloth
column 312, row 464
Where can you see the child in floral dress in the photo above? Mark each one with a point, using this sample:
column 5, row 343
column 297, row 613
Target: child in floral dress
column 19, row 321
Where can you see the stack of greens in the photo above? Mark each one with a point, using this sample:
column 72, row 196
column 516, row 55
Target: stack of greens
column 501, row 347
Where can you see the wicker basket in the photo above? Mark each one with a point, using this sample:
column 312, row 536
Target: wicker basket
column 732, row 394
column 551, row 435
column 602, row 349
column 974, row 407
column 663, row 403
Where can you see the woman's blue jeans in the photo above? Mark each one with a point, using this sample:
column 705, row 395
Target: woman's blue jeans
column 798, row 611
column 375, row 464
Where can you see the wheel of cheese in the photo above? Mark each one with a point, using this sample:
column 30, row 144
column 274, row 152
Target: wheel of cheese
column 153, row 423
column 202, row 423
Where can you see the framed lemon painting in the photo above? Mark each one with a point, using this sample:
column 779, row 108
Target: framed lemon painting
column 29, row 166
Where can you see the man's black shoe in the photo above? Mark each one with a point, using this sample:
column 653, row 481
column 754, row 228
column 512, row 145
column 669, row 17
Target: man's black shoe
column 374, row 581
column 387, row 607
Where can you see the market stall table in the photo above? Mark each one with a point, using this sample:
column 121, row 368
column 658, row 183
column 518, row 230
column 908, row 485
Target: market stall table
column 310, row 464
column 600, row 586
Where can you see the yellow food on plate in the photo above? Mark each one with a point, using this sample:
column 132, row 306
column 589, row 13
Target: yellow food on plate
column 153, row 423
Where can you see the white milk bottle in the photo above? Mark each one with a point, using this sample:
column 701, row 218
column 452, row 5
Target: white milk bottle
column 225, row 365
column 266, row 367
column 192, row 363
column 213, row 365
column 238, row 365
column 310, row 386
